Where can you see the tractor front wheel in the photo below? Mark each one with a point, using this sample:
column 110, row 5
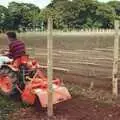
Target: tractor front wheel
column 8, row 81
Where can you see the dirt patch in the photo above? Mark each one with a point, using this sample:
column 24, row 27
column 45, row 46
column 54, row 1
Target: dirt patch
column 75, row 109
column 85, row 104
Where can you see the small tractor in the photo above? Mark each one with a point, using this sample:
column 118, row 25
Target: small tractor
column 25, row 76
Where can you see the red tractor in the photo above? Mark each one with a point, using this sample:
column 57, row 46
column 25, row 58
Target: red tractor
column 25, row 76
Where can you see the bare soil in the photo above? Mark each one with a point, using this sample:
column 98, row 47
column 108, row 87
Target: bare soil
column 80, row 107
column 75, row 109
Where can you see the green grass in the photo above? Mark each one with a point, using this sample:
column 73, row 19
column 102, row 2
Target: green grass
column 6, row 106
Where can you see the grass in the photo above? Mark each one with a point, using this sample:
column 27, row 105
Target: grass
column 102, row 97
column 9, row 105
column 65, row 41
column 6, row 106
column 70, row 42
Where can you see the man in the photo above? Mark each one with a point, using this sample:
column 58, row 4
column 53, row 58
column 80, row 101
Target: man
column 16, row 47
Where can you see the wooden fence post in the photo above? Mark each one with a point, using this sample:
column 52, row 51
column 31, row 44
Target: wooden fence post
column 50, row 65
column 115, row 60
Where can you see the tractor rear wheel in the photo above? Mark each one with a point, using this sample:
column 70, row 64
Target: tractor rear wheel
column 8, row 81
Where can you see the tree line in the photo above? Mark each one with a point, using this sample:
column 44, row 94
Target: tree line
column 67, row 15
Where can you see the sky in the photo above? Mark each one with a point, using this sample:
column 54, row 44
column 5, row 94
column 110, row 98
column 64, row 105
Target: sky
column 39, row 3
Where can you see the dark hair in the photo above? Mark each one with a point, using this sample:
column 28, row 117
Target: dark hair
column 11, row 35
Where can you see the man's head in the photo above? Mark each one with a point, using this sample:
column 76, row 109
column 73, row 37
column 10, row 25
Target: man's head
column 11, row 36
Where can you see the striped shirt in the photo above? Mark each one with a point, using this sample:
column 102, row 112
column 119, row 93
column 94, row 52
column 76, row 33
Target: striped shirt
column 16, row 49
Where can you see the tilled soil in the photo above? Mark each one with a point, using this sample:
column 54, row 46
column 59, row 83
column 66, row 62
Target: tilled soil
column 78, row 108
column 85, row 66
column 75, row 109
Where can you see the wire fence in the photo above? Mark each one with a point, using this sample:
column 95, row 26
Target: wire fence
column 88, row 58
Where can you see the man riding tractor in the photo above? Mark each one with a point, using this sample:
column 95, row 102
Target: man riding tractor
column 14, row 55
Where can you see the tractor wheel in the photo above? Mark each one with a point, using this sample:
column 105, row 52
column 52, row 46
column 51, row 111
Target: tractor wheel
column 9, row 81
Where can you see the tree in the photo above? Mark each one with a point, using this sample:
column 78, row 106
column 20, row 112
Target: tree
column 105, row 15
column 23, row 14
column 116, row 6
column 67, row 15
column 80, row 14
column 3, row 17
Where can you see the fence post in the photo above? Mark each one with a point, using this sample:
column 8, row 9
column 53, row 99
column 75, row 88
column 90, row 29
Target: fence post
column 115, row 60
column 50, row 65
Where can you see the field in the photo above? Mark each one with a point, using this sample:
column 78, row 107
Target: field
column 88, row 60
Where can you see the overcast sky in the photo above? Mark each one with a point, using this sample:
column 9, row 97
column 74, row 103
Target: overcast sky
column 40, row 3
